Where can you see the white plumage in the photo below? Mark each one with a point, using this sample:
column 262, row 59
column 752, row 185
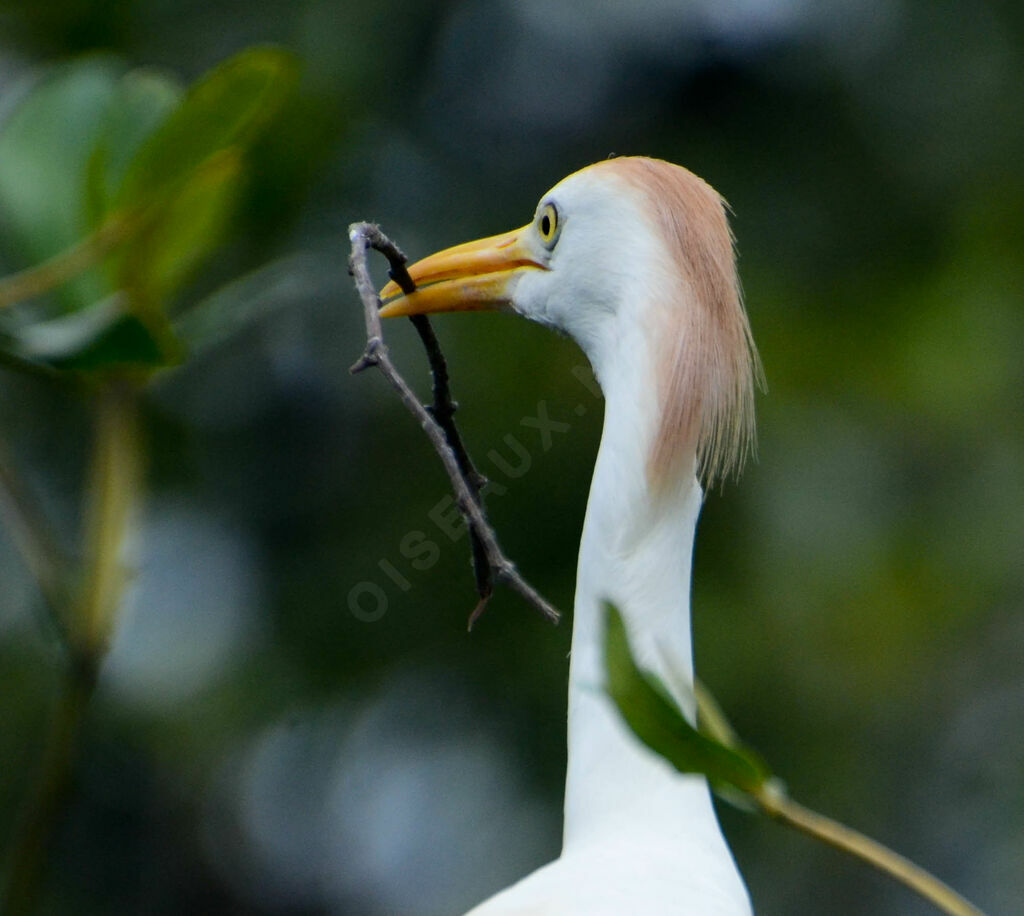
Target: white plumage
column 633, row 258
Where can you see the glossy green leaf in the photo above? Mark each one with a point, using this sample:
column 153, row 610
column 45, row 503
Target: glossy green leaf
column 645, row 705
column 89, row 144
column 142, row 100
column 103, row 337
column 63, row 155
column 45, row 145
column 223, row 109
column 240, row 304
column 187, row 230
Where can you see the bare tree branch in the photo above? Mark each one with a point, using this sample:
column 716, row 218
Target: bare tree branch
column 31, row 532
column 112, row 495
column 443, row 411
column 489, row 561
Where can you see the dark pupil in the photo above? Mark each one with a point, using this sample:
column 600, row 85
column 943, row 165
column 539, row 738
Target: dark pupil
column 545, row 224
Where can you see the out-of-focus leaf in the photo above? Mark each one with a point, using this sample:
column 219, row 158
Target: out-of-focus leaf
column 187, row 231
column 659, row 724
column 142, row 100
column 222, row 109
column 44, row 147
column 63, row 155
column 133, row 149
column 238, row 305
column 103, row 337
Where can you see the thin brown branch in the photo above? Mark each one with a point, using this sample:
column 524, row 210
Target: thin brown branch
column 32, row 534
column 49, row 797
column 466, row 483
column 443, row 411
column 113, row 492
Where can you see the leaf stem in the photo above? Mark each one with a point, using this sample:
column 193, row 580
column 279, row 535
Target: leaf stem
column 66, row 264
column 779, row 806
column 771, row 797
column 114, row 485
column 27, row 861
column 34, row 539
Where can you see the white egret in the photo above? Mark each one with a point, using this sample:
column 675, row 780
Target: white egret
column 633, row 258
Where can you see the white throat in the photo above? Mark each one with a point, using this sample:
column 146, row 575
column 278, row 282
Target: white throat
column 636, row 552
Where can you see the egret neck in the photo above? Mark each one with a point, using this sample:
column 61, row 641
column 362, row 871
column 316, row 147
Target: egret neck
column 633, row 259
column 635, row 552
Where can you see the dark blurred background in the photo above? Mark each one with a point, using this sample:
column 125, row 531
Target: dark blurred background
column 293, row 718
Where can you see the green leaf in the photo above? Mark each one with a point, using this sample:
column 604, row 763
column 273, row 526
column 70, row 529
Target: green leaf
column 89, row 148
column 237, row 306
column 644, row 704
column 63, row 155
column 44, row 146
column 187, row 231
column 142, row 100
column 224, row 108
column 102, row 338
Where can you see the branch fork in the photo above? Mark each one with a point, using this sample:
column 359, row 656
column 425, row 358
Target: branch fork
column 490, row 565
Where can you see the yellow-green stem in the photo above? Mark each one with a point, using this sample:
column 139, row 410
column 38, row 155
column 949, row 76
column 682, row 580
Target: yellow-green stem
column 776, row 804
column 772, row 799
column 113, row 483
column 113, row 489
column 55, row 271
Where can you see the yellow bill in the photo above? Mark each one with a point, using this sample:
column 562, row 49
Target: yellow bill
column 470, row 277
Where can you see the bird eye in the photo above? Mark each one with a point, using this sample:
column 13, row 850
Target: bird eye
column 547, row 224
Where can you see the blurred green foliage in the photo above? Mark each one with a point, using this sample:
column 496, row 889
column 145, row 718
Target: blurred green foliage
column 149, row 179
column 145, row 179
column 254, row 745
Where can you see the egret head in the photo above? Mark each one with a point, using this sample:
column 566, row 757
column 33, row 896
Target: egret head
column 633, row 258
